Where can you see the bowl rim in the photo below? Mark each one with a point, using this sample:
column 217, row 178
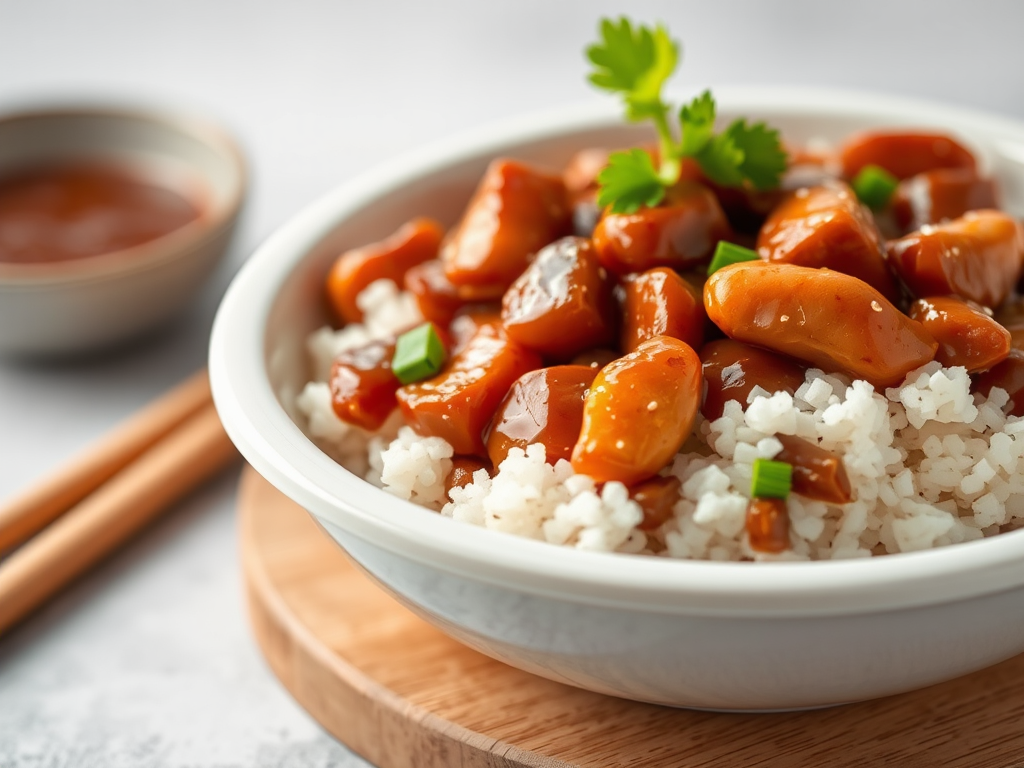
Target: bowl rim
column 278, row 450
column 152, row 254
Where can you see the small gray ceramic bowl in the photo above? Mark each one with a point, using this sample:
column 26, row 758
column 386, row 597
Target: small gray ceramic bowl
column 739, row 636
column 84, row 304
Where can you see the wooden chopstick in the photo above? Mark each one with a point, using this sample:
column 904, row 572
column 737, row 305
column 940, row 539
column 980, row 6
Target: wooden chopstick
column 101, row 498
column 192, row 452
column 31, row 511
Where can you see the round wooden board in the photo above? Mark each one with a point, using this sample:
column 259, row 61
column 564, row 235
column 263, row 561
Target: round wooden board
column 401, row 693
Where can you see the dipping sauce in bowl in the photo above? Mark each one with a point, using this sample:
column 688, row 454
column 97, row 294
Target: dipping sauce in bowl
column 60, row 213
column 111, row 221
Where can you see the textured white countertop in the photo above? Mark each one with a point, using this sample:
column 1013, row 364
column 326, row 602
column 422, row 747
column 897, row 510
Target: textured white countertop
column 148, row 662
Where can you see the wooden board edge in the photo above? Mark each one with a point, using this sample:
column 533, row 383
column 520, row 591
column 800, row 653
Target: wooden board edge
column 372, row 720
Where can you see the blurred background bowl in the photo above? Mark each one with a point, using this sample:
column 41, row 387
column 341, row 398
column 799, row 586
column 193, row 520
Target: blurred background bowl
column 89, row 303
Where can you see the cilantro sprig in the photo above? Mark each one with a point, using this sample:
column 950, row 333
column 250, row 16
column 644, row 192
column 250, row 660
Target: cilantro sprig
column 635, row 62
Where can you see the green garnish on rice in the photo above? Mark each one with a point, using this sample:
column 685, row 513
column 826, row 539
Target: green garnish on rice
column 771, row 479
column 635, row 63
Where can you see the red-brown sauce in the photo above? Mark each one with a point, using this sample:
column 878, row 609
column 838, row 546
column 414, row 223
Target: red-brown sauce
column 70, row 212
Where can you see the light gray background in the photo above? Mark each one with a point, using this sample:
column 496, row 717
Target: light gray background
column 148, row 662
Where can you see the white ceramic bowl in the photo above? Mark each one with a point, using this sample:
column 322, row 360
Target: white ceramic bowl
column 80, row 305
column 733, row 636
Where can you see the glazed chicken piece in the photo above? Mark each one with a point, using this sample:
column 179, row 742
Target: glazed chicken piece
column 414, row 243
column 680, row 233
column 826, row 226
column 966, row 333
column 542, row 406
column 657, row 498
column 659, row 302
column 903, row 154
column 1007, row 375
column 458, row 403
column 437, row 298
column 363, row 386
column 768, row 525
column 732, row 369
column 515, row 211
column 817, row 474
column 562, row 303
column 639, row 412
column 461, row 474
column 823, row 318
column 978, row 257
column 945, row 193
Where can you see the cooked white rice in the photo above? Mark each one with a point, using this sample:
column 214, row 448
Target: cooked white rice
column 930, row 465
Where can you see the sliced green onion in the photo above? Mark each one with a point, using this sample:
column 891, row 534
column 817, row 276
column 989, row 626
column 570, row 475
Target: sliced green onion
column 771, row 480
column 874, row 186
column 419, row 354
column 730, row 253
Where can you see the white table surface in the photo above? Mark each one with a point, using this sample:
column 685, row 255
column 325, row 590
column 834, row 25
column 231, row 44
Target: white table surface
column 148, row 661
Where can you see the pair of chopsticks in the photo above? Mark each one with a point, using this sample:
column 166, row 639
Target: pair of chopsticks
column 83, row 511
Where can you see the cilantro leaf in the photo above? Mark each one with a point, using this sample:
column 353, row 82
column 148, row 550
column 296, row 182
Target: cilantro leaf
column 743, row 153
column 698, row 121
column 622, row 56
column 721, row 159
column 764, row 159
column 635, row 63
column 629, row 181
column 645, row 98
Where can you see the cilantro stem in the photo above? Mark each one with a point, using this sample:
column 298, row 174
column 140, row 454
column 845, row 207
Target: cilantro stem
column 669, row 166
column 666, row 139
